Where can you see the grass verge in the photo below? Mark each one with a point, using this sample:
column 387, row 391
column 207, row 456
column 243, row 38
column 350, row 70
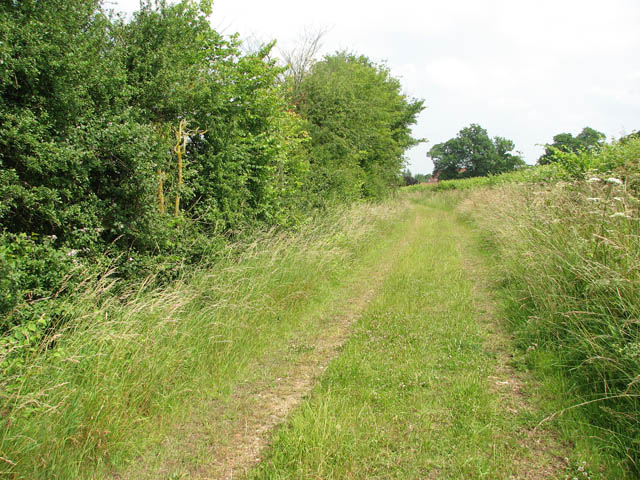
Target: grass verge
column 568, row 259
column 124, row 371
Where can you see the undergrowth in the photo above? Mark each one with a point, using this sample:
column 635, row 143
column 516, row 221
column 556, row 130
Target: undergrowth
column 569, row 254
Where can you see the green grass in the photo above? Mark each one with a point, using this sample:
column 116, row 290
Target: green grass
column 413, row 393
column 124, row 371
column 568, row 258
column 141, row 384
column 535, row 174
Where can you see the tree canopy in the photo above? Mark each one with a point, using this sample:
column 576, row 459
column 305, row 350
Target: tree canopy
column 472, row 154
column 587, row 140
column 360, row 125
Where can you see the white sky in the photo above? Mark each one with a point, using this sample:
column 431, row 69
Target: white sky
column 522, row 69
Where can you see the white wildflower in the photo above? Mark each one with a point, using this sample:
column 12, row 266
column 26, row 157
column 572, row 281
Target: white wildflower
column 593, row 199
column 593, row 180
column 618, row 199
column 72, row 253
column 615, row 181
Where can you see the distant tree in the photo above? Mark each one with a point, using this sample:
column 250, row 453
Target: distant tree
column 587, row 140
column 422, row 177
column 473, row 154
column 408, row 178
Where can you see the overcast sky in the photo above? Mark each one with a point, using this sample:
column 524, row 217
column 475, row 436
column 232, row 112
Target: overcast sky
column 522, row 69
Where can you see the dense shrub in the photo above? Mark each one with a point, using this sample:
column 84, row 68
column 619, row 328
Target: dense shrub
column 141, row 144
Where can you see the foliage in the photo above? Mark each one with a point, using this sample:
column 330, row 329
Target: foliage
column 236, row 162
column 569, row 255
column 422, row 177
column 89, row 110
column 409, row 179
column 473, row 154
column 29, row 269
column 359, row 121
column 589, row 140
column 74, row 162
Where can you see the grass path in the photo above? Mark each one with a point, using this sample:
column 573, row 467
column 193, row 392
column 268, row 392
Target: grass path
column 403, row 373
column 225, row 436
column 423, row 388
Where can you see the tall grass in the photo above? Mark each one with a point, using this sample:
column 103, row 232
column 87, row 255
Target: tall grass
column 570, row 257
column 93, row 395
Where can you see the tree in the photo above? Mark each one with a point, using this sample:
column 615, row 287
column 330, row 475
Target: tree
column 180, row 69
column 360, row 126
column 472, row 153
column 408, row 178
column 299, row 61
column 587, row 140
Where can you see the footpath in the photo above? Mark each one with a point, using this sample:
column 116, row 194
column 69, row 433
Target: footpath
column 405, row 375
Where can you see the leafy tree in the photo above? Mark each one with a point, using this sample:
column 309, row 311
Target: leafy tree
column 587, row 140
column 408, row 178
column 472, row 153
column 359, row 122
